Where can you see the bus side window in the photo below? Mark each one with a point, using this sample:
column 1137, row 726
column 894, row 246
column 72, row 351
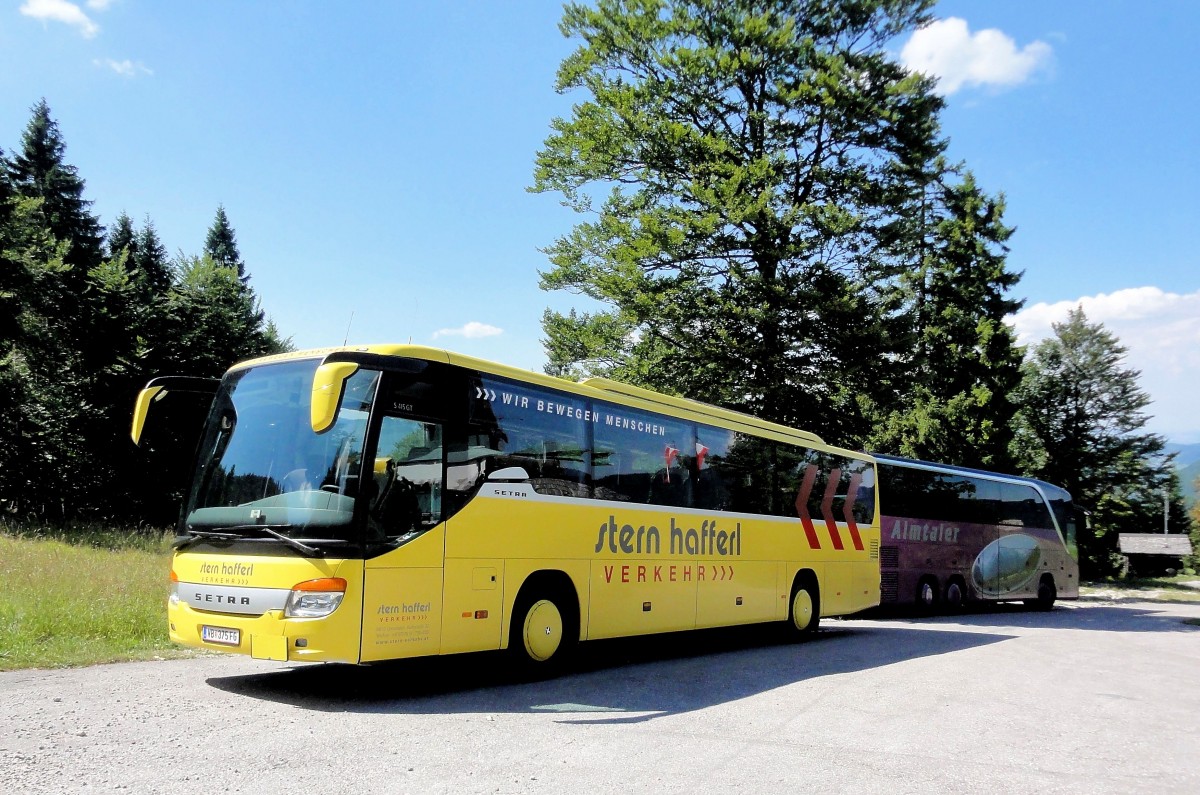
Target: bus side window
column 408, row 477
column 542, row 431
column 711, row 472
column 1022, row 506
column 642, row 457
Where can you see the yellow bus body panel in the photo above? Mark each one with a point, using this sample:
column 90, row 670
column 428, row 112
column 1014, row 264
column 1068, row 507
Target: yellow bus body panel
column 402, row 604
column 271, row 635
column 667, row 572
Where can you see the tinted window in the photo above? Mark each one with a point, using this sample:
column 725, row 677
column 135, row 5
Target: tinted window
column 907, row 492
column 944, row 497
column 1022, row 506
column 542, row 431
column 715, row 478
column 407, row 478
column 816, row 475
column 642, row 457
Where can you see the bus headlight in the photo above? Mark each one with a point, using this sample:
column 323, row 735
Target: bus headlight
column 315, row 598
column 173, row 599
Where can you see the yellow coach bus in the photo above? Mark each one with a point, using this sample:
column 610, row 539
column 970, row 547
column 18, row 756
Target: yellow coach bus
column 396, row 501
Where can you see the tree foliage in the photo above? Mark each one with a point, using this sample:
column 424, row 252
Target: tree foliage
column 1081, row 425
column 83, row 325
column 220, row 245
column 751, row 169
column 961, row 362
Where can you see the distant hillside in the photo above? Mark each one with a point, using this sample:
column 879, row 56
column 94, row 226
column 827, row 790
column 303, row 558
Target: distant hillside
column 1187, row 454
column 1187, row 479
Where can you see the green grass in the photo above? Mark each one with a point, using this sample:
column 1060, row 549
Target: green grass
column 1144, row 589
column 81, row 596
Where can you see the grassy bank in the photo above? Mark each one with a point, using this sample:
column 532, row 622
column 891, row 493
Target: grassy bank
column 1181, row 588
column 81, row 597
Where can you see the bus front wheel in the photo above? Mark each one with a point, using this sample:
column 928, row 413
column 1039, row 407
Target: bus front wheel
column 805, row 612
column 542, row 633
column 927, row 595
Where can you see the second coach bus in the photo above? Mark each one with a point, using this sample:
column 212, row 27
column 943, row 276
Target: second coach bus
column 395, row 501
column 952, row 535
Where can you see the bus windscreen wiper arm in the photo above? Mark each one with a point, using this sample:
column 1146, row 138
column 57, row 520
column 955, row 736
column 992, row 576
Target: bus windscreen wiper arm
column 205, row 535
column 234, row 533
column 273, row 531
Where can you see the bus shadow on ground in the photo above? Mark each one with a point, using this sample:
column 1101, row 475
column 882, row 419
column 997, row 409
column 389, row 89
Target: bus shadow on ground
column 619, row 681
column 1084, row 614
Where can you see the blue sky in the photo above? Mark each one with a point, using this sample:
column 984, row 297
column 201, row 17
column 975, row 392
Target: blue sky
column 373, row 157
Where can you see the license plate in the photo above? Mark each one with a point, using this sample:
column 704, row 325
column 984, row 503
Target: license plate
column 223, row 635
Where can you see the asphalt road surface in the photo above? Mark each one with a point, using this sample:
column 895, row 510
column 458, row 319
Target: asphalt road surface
column 1091, row 697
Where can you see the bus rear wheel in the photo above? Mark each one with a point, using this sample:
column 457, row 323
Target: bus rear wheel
column 954, row 596
column 804, row 614
column 542, row 633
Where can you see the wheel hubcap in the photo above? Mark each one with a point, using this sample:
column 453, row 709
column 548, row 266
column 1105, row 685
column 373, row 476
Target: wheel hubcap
column 802, row 609
column 543, row 630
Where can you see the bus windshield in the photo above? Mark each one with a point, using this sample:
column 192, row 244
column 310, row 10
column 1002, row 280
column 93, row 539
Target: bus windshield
column 264, row 473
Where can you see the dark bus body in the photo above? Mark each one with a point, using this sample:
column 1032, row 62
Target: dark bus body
column 953, row 535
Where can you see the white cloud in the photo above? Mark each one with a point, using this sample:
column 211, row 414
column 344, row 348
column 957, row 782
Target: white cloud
column 126, row 68
column 1161, row 331
column 99, row 5
column 61, row 11
column 473, row 330
column 947, row 49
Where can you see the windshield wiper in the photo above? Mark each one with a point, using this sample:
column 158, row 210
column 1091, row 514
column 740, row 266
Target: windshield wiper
column 234, row 533
column 273, row 531
column 207, row 535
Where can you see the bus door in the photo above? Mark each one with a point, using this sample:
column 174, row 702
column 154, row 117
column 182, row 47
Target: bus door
column 405, row 543
column 1007, row 567
column 980, row 549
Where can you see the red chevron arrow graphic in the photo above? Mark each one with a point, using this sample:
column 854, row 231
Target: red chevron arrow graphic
column 810, row 477
column 848, row 509
column 827, row 508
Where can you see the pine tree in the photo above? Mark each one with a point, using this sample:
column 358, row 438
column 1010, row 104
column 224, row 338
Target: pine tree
column 218, row 320
column 151, row 262
column 951, row 401
column 39, row 171
column 1080, row 425
column 221, row 244
column 746, row 163
column 121, row 237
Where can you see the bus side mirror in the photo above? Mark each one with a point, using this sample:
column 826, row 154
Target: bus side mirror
column 329, row 384
column 193, row 395
column 141, row 409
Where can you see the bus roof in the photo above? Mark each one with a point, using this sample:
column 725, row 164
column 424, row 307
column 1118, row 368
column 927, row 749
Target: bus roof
column 917, row 463
column 600, row 388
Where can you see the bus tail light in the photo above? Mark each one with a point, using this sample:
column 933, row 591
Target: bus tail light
column 315, row 598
